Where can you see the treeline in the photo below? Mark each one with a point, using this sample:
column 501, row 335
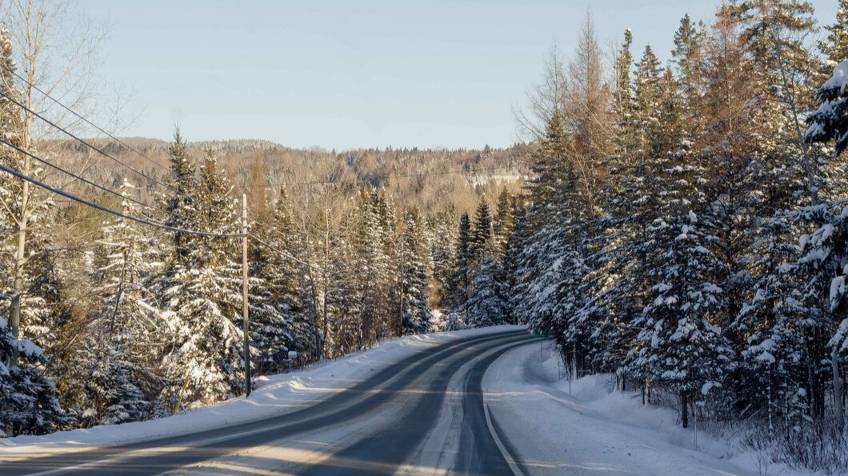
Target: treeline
column 431, row 179
column 685, row 232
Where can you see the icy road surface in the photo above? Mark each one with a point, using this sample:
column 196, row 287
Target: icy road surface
column 480, row 402
column 422, row 414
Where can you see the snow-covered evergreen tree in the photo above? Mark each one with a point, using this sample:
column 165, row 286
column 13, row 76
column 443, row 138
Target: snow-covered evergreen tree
column 285, row 321
column 835, row 45
column 481, row 233
column 442, row 239
column 486, row 305
column 123, row 340
column 203, row 295
column 413, row 275
column 461, row 276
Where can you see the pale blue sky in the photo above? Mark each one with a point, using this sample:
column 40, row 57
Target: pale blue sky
column 355, row 73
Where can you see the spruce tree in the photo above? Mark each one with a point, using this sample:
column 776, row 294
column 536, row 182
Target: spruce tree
column 413, row 275
column 443, row 236
column 372, row 260
column 835, row 46
column 504, row 222
column 482, row 232
column 461, row 279
column 122, row 339
column 284, row 322
column 486, row 305
column 623, row 102
column 204, row 297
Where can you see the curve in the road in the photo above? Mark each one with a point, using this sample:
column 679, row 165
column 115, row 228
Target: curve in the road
column 482, row 452
column 170, row 453
column 385, row 451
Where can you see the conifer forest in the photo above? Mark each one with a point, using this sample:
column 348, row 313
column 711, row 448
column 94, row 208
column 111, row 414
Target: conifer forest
column 676, row 221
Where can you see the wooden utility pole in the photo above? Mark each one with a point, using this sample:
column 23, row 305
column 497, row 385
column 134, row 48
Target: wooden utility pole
column 400, row 315
column 244, row 307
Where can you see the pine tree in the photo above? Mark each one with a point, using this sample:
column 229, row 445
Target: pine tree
column 371, row 259
column 461, row 280
column 442, row 239
column 689, row 62
column 830, row 120
column 343, row 292
column 835, row 46
column 413, row 276
column 482, row 233
column 679, row 341
column 28, row 402
column 204, row 298
column 623, row 102
column 648, row 97
column 786, row 72
column 822, row 265
column 504, row 222
column 285, row 322
column 119, row 354
column 182, row 203
column 486, row 306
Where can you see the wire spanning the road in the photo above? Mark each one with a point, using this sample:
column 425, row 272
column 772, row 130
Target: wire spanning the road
column 68, row 172
column 83, row 141
column 82, row 118
column 281, row 252
column 97, row 206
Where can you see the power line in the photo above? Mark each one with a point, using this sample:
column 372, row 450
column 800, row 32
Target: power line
column 82, row 141
column 80, row 117
column 96, row 206
column 283, row 253
column 67, row 172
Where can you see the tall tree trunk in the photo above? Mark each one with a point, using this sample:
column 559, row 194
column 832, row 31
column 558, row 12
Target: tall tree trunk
column 22, row 223
column 18, row 286
column 684, row 409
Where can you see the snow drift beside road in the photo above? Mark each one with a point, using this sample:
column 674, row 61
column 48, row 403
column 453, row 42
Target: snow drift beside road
column 593, row 429
column 275, row 395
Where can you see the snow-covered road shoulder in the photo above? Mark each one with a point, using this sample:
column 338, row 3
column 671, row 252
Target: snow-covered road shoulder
column 591, row 429
column 275, row 395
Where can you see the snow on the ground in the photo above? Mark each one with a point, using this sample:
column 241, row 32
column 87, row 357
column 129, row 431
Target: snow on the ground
column 274, row 395
column 588, row 428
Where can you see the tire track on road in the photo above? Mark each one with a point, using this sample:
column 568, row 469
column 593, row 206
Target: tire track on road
column 175, row 452
column 388, row 449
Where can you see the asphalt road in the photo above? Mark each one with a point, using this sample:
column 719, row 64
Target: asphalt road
column 423, row 415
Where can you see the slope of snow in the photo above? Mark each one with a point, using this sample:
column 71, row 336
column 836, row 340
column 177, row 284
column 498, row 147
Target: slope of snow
column 275, row 395
column 587, row 428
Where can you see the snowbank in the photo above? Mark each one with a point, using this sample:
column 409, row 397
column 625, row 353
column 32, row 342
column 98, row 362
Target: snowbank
column 275, row 395
column 587, row 427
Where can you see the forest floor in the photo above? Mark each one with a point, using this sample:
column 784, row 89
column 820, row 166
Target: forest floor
column 589, row 428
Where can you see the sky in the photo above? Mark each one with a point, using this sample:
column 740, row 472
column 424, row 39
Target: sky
column 349, row 74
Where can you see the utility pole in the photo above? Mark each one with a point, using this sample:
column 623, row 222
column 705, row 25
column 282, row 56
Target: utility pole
column 244, row 307
column 400, row 315
column 326, row 277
